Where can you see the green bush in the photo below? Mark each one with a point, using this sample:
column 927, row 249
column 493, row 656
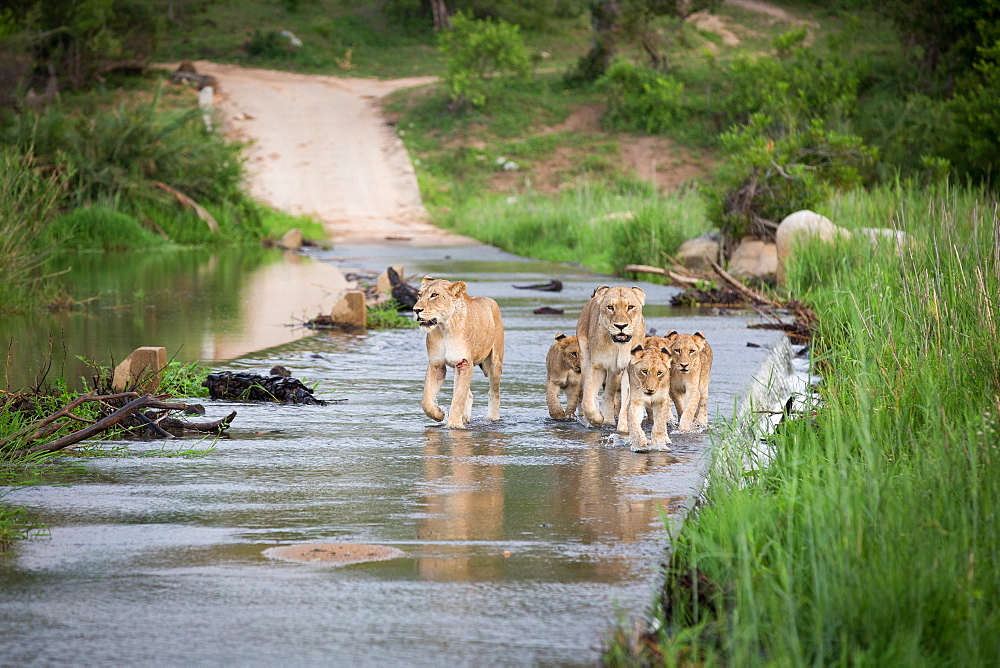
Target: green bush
column 97, row 228
column 798, row 85
column 480, row 57
column 641, row 99
column 771, row 171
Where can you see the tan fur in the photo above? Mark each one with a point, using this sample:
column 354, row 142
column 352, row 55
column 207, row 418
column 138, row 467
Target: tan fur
column 610, row 312
column 462, row 332
column 649, row 390
column 689, row 377
column 562, row 366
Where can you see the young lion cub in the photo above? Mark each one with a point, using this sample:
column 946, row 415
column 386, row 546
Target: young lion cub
column 689, row 376
column 649, row 390
column 462, row 332
column 562, row 365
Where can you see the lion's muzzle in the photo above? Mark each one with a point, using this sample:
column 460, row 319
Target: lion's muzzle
column 621, row 337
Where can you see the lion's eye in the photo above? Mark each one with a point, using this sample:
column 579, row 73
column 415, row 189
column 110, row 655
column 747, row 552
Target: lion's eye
column 631, row 307
column 645, row 373
column 610, row 307
column 433, row 295
column 572, row 354
column 659, row 373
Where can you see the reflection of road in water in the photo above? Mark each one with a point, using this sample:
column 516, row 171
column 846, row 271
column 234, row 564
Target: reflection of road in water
column 525, row 538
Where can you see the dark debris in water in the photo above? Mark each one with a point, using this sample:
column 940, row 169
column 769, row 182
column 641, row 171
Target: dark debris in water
column 246, row 386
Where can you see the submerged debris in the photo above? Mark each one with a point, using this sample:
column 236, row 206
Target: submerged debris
column 555, row 285
column 246, row 386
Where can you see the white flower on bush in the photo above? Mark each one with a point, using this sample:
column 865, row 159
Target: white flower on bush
column 510, row 166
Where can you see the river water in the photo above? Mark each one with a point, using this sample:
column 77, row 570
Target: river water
column 524, row 540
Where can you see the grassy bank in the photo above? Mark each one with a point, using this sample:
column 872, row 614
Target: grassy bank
column 872, row 537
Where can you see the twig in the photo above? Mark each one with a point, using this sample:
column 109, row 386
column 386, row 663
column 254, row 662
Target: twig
column 39, row 426
column 672, row 275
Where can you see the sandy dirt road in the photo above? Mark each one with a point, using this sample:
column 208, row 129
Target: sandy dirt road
column 319, row 145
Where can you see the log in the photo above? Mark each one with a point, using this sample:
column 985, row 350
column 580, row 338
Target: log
column 137, row 404
column 751, row 294
column 188, row 202
column 672, row 275
column 40, row 427
column 175, row 425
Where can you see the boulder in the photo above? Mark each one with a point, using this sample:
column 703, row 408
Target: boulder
column 292, row 240
column 754, row 257
column 351, row 312
column 141, row 371
column 880, row 235
column 695, row 253
column 800, row 225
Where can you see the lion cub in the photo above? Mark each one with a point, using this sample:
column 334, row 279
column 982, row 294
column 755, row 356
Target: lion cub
column 562, row 365
column 649, row 390
column 689, row 376
column 462, row 332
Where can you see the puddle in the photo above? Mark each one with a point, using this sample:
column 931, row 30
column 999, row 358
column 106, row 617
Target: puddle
column 522, row 541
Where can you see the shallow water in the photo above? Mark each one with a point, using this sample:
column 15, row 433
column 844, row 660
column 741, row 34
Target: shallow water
column 524, row 539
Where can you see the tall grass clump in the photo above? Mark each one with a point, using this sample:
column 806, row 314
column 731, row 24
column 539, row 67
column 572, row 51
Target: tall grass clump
column 600, row 227
column 872, row 535
column 27, row 202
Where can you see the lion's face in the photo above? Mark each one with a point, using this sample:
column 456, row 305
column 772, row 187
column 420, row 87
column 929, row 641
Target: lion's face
column 436, row 300
column 620, row 311
column 649, row 371
column 568, row 348
column 686, row 351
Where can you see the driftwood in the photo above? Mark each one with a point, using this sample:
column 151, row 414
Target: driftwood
column 245, row 386
column 126, row 411
column 184, row 200
column 555, row 285
column 176, row 426
column 402, row 292
column 672, row 275
column 753, row 295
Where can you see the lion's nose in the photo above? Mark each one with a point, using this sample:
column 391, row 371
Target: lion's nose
column 418, row 311
column 621, row 327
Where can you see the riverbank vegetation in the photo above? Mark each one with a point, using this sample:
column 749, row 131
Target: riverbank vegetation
column 867, row 535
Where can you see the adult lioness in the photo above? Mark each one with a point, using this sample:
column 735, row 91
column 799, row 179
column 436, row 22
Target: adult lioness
column 689, row 376
column 649, row 390
column 563, row 373
column 609, row 322
column 462, row 332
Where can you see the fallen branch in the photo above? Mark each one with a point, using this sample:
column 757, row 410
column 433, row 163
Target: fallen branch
column 42, row 427
column 751, row 294
column 175, row 425
column 190, row 203
column 672, row 275
column 138, row 404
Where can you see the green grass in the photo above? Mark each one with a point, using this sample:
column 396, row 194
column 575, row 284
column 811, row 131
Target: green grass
column 872, row 536
column 387, row 316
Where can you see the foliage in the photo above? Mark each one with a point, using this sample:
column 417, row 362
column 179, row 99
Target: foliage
column 799, row 85
column 977, row 114
column 862, row 538
column 655, row 24
column 772, row 171
column 182, row 379
column 481, row 56
column 641, row 99
column 97, row 228
column 387, row 316
column 78, row 41
column 28, row 200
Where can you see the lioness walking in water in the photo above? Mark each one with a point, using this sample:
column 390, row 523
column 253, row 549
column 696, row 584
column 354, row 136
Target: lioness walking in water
column 462, row 332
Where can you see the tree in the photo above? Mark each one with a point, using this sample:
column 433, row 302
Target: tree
column 640, row 18
column 604, row 19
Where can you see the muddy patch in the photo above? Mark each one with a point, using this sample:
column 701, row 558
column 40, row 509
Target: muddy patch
column 336, row 554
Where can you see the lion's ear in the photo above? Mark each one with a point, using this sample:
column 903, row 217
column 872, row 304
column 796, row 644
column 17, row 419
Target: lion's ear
column 699, row 335
column 457, row 289
column 640, row 294
column 636, row 350
column 599, row 290
column 664, row 351
column 671, row 334
column 427, row 279
column 560, row 336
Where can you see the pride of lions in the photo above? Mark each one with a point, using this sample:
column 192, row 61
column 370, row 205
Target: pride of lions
column 610, row 368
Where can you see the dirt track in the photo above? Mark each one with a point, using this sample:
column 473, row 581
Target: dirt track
column 319, row 146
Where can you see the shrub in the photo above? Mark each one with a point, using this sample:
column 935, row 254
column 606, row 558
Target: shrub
column 772, row 171
column 480, row 56
column 98, row 228
column 641, row 99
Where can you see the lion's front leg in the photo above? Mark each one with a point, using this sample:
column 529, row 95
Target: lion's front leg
column 659, row 438
column 574, row 392
column 556, row 411
column 461, row 400
column 493, row 369
column 686, row 420
column 612, row 385
column 593, row 379
column 635, row 434
column 432, row 385
column 624, row 423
